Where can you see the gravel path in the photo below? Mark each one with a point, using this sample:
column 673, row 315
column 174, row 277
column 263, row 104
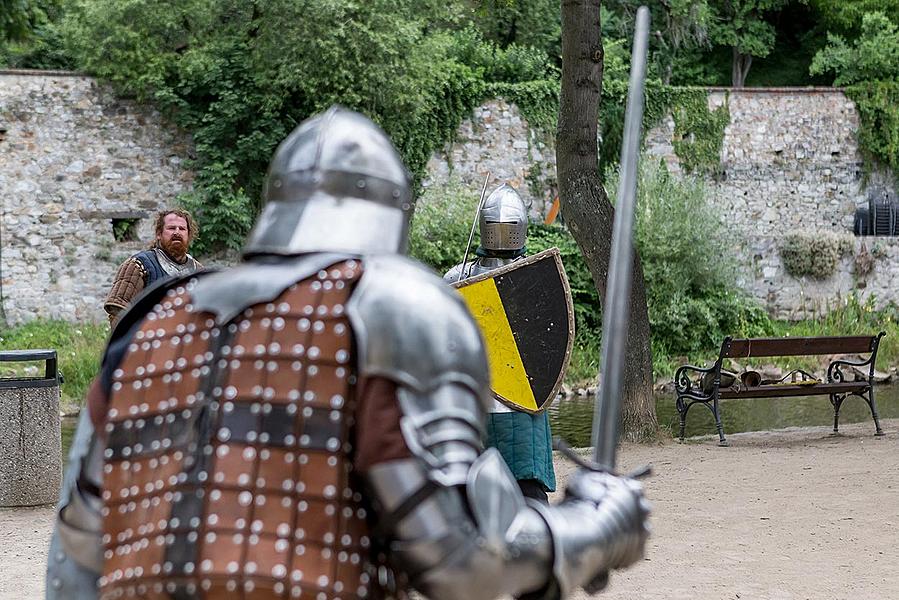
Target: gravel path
column 787, row 515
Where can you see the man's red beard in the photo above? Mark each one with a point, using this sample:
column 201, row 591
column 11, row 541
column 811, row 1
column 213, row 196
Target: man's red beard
column 176, row 248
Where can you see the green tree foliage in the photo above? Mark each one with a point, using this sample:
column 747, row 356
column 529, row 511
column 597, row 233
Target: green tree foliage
column 846, row 16
column 531, row 23
column 16, row 19
column 239, row 75
column 872, row 56
column 42, row 47
column 745, row 27
column 678, row 27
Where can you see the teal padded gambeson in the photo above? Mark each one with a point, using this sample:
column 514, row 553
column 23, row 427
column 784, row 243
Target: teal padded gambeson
column 525, row 442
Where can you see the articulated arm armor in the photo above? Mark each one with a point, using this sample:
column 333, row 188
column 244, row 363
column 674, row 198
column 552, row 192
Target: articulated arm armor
column 452, row 518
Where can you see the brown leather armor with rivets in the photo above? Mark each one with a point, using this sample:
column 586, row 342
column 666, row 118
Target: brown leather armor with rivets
column 129, row 281
column 227, row 467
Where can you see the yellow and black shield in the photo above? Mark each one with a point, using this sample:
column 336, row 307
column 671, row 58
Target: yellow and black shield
column 526, row 316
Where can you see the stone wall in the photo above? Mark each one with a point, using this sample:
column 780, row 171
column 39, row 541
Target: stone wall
column 497, row 140
column 73, row 158
column 789, row 161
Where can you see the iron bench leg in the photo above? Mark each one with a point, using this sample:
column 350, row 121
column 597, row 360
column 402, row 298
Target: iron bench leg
column 681, row 407
column 836, row 400
column 878, row 430
column 717, row 413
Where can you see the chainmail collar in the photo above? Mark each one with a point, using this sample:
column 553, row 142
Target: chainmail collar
column 171, row 267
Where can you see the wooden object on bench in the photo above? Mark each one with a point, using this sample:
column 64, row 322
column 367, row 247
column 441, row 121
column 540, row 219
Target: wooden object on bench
column 687, row 379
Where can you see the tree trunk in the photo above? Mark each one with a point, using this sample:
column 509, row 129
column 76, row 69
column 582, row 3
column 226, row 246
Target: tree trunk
column 739, row 68
column 587, row 209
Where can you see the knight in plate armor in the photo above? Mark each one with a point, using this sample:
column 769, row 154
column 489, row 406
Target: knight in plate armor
column 308, row 424
column 524, row 440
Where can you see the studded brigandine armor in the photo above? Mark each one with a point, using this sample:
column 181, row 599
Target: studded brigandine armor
column 227, row 458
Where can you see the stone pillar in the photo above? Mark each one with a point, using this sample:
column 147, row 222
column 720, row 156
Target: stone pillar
column 30, row 445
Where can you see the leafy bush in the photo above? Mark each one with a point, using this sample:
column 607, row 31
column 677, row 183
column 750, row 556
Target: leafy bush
column 691, row 284
column 441, row 226
column 815, row 254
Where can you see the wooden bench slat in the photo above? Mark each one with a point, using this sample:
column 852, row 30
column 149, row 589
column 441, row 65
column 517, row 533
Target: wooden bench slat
column 745, row 348
column 771, row 391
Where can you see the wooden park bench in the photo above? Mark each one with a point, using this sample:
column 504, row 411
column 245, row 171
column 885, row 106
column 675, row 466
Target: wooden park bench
column 695, row 385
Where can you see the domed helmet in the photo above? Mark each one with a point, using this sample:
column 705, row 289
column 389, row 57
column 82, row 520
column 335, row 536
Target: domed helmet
column 503, row 222
column 335, row 184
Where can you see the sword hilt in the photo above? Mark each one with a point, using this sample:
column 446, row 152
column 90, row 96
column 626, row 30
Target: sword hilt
column 569, row 452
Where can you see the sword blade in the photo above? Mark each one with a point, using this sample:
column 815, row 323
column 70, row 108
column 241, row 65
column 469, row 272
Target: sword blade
column 616, row 307
column 474, row 224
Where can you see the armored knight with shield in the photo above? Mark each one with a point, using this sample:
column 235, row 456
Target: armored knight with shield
column 308, row 424
column 520, row 432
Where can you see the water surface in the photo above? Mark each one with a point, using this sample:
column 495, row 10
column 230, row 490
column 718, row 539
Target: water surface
column 572, row 418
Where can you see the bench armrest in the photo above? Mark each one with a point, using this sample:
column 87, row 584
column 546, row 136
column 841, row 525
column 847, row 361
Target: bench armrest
column 685, row 384
column 835, row 371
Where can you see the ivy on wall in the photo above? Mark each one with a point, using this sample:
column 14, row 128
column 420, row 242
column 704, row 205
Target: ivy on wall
column 877, row 103
column 698, row 131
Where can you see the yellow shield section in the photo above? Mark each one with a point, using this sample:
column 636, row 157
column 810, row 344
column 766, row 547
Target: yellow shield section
column 526, row 316
column 509, row 380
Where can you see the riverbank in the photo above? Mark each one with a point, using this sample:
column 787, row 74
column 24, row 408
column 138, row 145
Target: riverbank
column 783, row 515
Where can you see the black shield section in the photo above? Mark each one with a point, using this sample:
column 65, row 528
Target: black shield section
column 537, row 302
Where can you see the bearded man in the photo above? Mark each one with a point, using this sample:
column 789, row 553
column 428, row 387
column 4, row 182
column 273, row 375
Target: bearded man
column 167, row 257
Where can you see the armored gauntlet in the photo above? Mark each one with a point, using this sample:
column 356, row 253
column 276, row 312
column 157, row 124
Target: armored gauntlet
column 602, row 524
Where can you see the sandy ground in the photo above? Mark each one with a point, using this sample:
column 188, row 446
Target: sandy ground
column 787, row 515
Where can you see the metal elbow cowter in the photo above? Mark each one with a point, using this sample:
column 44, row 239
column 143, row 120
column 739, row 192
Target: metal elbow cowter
column 484, row 540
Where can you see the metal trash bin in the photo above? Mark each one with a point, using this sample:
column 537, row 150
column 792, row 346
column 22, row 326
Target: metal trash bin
column 30, row 440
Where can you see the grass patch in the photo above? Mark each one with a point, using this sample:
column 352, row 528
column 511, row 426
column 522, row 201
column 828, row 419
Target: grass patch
column 78, row 347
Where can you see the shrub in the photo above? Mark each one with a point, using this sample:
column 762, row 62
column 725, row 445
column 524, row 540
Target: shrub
column 814, row 254
column 691, row 284
column 441, row 225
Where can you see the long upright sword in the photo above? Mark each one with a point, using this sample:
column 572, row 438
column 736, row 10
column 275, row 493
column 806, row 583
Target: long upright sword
column 474, row 224
column 616, row 308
